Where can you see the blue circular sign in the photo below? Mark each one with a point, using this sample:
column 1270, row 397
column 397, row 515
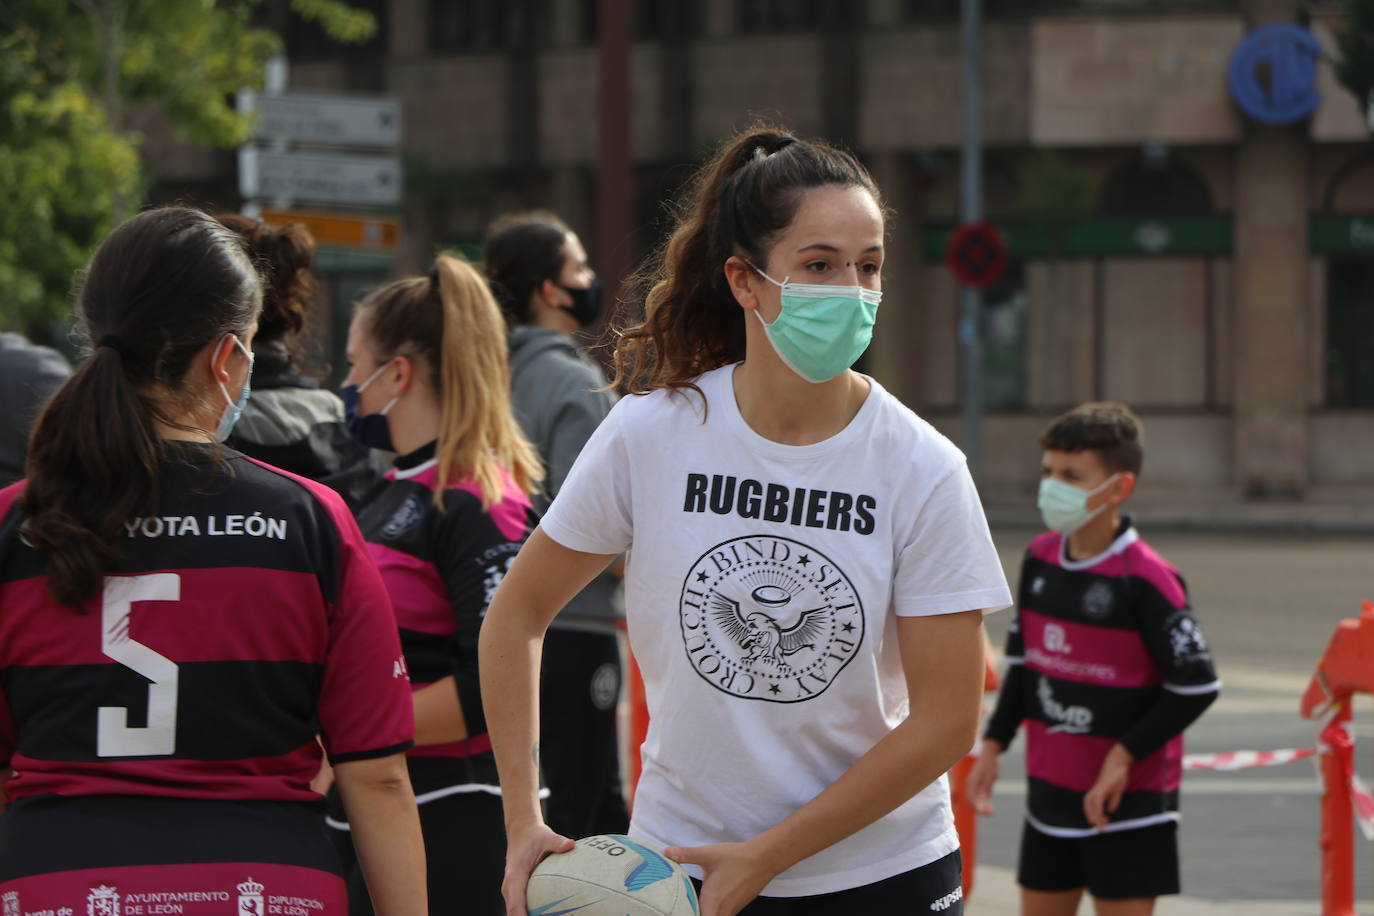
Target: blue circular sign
column 1273, row 74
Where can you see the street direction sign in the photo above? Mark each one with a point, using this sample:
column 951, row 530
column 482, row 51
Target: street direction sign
column 329, row 178
column 342, row 120
column 341, row 230
column 977, row 255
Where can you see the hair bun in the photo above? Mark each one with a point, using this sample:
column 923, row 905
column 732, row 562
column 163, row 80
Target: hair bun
column 773, row 145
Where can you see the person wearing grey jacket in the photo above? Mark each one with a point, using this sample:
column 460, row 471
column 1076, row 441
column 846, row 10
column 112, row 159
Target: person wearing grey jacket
column 291, row 422
column 28, row 374
column 539, row 274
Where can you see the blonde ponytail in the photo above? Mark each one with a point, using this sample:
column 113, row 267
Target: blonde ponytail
column 478, row 435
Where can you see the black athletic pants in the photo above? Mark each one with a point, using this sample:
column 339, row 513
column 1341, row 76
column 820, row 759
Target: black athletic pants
column 578, row 747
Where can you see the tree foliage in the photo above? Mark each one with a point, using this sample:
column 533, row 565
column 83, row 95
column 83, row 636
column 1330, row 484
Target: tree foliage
column 70, row 71
column 61, row 167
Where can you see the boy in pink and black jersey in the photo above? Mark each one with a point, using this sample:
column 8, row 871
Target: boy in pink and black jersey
column 1106, row 667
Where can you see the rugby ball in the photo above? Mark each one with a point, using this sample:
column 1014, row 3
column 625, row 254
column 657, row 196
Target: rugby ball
column 610, row 875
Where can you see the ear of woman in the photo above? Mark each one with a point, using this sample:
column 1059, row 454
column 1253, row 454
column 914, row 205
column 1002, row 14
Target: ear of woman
column 743, row 281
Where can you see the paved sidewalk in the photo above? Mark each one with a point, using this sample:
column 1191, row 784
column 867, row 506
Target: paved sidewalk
column 995, row 894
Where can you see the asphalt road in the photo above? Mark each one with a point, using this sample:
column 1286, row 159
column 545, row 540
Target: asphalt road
column 1268, row 605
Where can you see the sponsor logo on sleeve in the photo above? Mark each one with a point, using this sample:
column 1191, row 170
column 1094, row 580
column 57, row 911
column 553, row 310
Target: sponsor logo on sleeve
column 1185, row 639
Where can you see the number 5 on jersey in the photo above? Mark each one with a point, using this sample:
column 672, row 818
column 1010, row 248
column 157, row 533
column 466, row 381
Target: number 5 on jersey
column 114, row 736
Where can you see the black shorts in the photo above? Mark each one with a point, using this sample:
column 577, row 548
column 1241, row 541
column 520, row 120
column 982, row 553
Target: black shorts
column 935, row 888
column 1120, row 865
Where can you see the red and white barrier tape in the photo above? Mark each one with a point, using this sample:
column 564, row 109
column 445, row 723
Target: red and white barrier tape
column 1246, row 760
column 1340, row 743
column 1338, row 740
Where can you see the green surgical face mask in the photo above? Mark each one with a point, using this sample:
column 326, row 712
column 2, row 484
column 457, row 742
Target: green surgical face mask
column 1064, row 507
column 821, row 330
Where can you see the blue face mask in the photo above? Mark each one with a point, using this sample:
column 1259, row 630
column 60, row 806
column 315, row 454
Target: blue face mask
column 821, row 330
column 235, row 409
column 371, row 430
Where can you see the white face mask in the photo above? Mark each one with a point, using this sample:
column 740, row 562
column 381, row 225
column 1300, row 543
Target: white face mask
column 1064, row 507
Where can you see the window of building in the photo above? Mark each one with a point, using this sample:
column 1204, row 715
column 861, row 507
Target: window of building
column 666, row 20
column 473, row 26
column 757, row 17
column 1349, row 365
column 1155, row 185
column 654, row 20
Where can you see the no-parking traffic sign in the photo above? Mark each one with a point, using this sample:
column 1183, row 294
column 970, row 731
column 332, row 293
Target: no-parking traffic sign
column 977, row 255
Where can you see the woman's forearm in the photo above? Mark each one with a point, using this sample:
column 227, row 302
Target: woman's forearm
column 509, row 665
column 943, row 660
column 438, row 714
column 543, row 578
column 908, row 759
column 385, row 826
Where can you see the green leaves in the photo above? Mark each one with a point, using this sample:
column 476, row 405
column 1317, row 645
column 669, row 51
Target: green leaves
column 69, row 71
column 60, row 170
column 339, row 21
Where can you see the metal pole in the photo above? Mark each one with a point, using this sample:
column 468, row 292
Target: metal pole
column 971, row 211
column 615, row 178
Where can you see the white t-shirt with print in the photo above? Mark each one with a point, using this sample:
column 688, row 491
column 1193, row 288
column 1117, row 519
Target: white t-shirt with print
column 762, row 591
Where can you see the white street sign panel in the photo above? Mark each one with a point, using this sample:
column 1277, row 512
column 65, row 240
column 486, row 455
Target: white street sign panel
column 328, row 178
column 331, row 120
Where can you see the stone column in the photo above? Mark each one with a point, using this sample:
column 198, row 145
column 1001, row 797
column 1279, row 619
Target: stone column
column 1271, row 368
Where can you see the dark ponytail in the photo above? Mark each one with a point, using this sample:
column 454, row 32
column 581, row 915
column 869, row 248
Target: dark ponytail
column 521, row 252
column 283, row 255
column 736, row 204
column 160, row 288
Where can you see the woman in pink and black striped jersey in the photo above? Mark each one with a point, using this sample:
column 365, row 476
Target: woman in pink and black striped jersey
column 178, row 624
column 429, row 381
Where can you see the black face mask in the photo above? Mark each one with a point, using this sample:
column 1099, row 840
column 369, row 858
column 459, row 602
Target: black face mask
column 586, row 303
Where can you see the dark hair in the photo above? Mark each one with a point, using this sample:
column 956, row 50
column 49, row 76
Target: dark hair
column 283, row 255
column 737, row 204
column 521, row 252
column 161, row 287
column 1105, row 427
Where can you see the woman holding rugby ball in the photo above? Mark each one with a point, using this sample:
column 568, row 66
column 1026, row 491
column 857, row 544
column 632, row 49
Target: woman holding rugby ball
column 809, row 564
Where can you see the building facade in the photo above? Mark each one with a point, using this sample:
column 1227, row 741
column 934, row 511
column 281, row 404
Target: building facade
column 1219, row 277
